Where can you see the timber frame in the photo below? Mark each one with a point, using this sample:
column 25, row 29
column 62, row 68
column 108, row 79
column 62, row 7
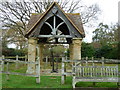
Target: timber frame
column 55, row 23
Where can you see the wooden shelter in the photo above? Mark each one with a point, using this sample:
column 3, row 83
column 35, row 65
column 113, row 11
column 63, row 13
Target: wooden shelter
column 54, row 24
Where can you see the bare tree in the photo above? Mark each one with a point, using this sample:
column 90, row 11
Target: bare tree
column 12, row 13
column 90, row 13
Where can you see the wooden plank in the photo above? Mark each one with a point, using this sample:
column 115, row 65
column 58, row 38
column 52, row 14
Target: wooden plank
column 56, row 36
column 100, row 70
column 89, row 61
column 10, row 60
column 91, row 71
column 112, row 71
column 98, row 66
column 22, row 74
column 97, row 79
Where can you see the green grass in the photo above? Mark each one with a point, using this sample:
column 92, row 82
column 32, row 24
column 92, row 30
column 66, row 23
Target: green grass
column 29, row 82
column 46, row 81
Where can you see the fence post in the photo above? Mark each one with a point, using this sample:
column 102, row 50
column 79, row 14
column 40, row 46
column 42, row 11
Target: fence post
column 7, row 69
column 66, row 58
column 38, row 70
column 86, row 61
column 66, row 64
column 3, row 57
column 46, row 61
column 102, row 61
column 25, row 58
column 102, row 69
column 38, row 65
column 16, row 62
column 93, row 71
column 63, row 72
column 93, row 61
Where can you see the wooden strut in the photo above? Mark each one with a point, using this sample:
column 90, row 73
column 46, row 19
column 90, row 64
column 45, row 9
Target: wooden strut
column 55, row 36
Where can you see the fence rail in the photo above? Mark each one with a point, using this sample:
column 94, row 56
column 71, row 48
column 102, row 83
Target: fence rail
column 84, row 60
column 7, row 72
column 18, row 61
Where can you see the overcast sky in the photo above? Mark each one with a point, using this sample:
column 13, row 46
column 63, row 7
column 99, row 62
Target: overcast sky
column 109, row 14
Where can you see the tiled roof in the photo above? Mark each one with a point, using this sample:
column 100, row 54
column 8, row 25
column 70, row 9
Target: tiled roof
column 33, row 19
column 75, row 18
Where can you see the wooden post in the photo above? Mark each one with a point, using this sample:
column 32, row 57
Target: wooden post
column 3, row 57
column 63, row 72
column 86, row 61
column 93, row 64
column 38, row 67
column 38, row 71
column 102, row 69
column 16, row 62
column 46, row 61
column 7, row 69
column 93, row 70
column 102, row 61
column 25, row 58
column 66, row 58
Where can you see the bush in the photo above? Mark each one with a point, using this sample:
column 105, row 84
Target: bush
column 106, row 51
column 87, row 50
column 14, row 52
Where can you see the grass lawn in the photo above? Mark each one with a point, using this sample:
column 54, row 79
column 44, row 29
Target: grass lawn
column 29, row 82
column 47, row 82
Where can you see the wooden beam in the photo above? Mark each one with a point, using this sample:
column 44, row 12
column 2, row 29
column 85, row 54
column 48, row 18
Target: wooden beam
column 10, row 60
column 57, row 43
column 54, row 42
column 22, row 74
column 56, row 36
